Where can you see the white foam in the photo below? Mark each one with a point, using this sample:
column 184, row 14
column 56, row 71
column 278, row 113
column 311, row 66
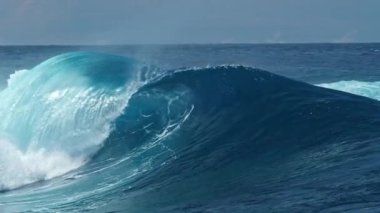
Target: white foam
column 18, row 168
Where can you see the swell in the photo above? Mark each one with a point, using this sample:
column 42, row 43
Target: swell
column 251, row 100
column 214, row 138
column 236, row 131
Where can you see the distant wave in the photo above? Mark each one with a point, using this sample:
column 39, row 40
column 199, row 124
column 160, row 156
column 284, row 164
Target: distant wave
column 366, row 89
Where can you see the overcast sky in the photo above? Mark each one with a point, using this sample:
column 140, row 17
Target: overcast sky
column 187, row 21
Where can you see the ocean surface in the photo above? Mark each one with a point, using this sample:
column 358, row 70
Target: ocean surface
column 190, row 128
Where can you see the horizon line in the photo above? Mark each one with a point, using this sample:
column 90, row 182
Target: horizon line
column 186, row 44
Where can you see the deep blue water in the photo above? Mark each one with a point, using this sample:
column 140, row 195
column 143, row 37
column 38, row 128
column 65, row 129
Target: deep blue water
column 190, row 128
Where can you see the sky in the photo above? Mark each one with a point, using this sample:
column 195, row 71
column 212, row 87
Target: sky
column 102, row 22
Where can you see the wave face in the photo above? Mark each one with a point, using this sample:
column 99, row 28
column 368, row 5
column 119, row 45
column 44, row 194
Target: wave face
column 86, row 131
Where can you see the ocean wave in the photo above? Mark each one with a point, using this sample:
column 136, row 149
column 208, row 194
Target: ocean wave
column 116, row 134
